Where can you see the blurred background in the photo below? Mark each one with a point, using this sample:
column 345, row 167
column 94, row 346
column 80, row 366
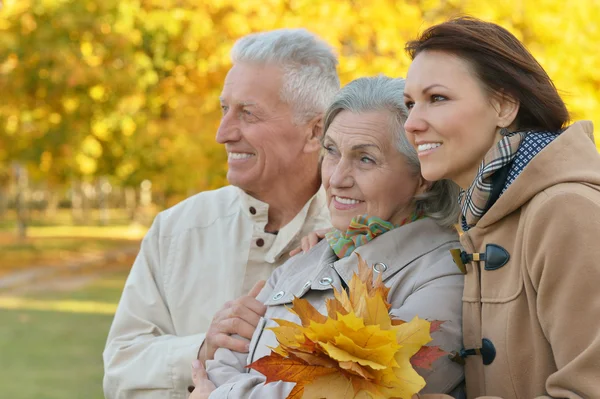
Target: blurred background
column 108, row 111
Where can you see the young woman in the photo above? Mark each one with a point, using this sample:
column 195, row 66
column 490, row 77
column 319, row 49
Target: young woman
column 485, row 114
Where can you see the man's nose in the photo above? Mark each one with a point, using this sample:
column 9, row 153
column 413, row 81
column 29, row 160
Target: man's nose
column 229, row 129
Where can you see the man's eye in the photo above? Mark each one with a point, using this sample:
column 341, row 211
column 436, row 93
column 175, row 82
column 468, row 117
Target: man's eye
column 224, row 108
column 329, row 149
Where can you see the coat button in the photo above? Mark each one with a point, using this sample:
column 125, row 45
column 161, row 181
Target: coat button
column 260, row 242
column 308, row 283
column 487, row 353
column 326, row 281
column 380, row 267
column 495, row 257
column 252, row 210
column 279, row 295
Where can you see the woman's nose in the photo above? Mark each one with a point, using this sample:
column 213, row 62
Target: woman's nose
column 342, row 175
column 415, row 122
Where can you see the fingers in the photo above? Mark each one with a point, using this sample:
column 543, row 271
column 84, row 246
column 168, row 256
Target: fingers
column 321, row 233
column 305, row 243
column 203, row 386
column 234, row 344
column 295, row 251
column 198, row 372
column 257, row 288
column 237, row 326
column 313, row 239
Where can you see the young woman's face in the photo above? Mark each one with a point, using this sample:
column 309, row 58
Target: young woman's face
column 453, row 121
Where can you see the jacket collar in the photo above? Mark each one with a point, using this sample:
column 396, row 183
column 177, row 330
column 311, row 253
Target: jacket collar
column 258, row 212
column 396, row 249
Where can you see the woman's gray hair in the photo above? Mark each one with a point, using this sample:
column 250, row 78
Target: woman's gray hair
column 310, row 77
column 440, row 201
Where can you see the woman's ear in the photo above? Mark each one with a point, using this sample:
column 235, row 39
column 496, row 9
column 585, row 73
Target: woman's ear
column 314, row 136
column 508, row 108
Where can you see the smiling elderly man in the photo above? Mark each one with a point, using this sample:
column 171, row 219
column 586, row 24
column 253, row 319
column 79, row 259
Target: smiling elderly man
column 179, row 301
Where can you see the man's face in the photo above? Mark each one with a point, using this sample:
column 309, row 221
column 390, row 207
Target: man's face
column 263, row 145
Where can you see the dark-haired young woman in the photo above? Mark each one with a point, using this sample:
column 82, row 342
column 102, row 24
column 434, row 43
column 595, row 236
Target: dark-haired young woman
column 485, row 114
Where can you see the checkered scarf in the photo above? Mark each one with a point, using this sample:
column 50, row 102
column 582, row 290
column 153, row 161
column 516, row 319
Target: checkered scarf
column 474, row 200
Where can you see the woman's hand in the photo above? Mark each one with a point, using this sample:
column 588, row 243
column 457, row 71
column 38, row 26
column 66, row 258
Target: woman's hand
column 310, row 241
column 203, row 386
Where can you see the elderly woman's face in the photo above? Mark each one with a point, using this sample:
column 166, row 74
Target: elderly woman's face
column 364, row 173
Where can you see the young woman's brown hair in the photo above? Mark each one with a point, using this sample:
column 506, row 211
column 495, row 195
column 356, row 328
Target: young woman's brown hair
column 502, row 64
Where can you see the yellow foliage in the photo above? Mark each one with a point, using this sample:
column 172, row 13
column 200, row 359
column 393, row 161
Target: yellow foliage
column 157, row 67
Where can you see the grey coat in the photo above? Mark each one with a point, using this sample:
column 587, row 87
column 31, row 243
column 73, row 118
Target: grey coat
column 424, row 281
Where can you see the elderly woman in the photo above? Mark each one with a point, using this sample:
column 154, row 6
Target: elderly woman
column 382, row 209
column 485, row 114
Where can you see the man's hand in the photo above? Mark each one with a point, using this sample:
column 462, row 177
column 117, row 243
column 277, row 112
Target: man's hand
column 240, row 317
column 202, row 385
column 310, row 241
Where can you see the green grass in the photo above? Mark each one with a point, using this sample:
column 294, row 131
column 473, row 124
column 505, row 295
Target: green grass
column 53, row 355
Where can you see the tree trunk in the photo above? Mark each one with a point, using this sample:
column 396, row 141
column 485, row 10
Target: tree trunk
column 52, row 207
column 104, row 189
column 76, row 202
column 21, row 200
column 130, row 202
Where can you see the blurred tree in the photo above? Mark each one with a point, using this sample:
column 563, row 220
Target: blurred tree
column 129, row 88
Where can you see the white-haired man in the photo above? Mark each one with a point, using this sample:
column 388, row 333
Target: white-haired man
column 179, row 301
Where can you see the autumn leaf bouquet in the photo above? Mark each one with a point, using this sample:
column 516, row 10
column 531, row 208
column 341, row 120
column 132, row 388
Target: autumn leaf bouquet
column 356, row 351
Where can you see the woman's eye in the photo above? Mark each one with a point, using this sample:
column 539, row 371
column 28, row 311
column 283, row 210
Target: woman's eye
column 367, row 160
column 409, row 104
column 437, row 98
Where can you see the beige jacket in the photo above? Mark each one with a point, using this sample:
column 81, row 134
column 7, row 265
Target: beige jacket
column 423, row 279
column 540, row 310
column 205, row 251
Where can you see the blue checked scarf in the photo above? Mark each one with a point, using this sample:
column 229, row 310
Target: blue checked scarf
column 514, row 152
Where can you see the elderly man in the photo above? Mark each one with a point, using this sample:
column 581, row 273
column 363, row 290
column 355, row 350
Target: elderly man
column 179, row 302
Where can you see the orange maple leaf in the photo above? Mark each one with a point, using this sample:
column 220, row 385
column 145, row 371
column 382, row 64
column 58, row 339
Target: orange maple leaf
column 425, row 357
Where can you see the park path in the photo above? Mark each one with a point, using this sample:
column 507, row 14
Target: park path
column 71, row 274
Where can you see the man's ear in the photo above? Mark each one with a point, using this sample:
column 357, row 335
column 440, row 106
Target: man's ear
column 314, row 135
column 507, row 107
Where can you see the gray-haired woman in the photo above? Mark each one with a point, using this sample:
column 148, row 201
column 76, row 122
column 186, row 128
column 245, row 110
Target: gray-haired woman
column 373, row 182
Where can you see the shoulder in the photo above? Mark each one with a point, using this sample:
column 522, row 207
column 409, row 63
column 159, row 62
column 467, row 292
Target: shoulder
column 304, row 263
column 561, row 226
column 570, row 200
column 198, row 211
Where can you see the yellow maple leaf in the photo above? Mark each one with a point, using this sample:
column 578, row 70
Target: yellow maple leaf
column 356, row 351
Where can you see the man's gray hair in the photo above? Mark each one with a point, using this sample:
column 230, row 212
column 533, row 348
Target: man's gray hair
column 440, row 201
column 309, row 64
